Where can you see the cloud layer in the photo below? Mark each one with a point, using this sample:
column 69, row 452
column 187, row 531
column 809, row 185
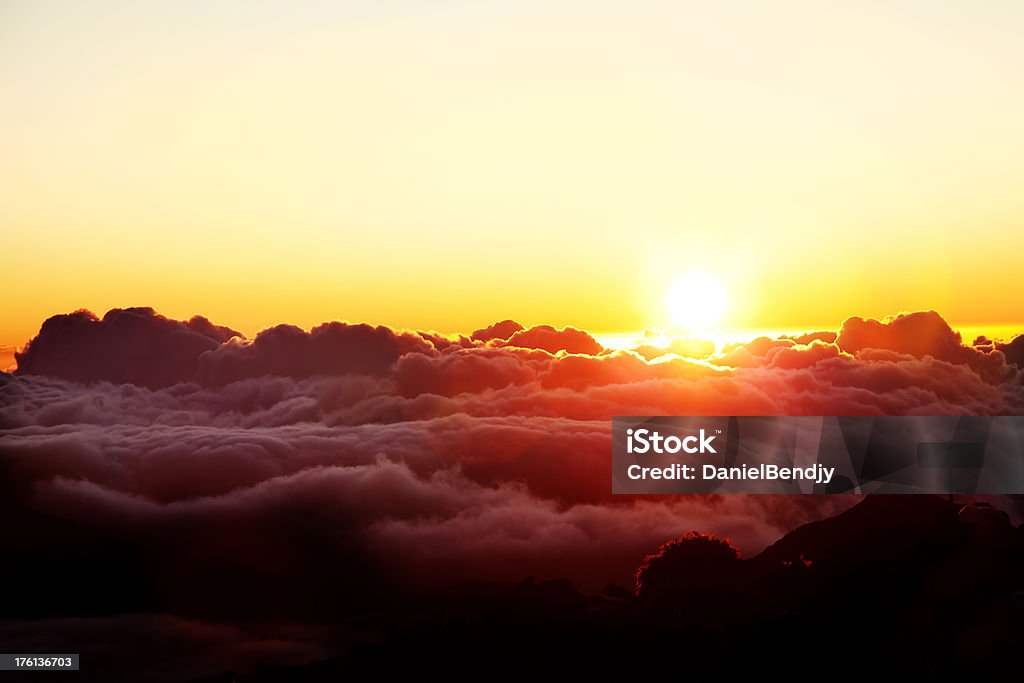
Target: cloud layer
column 353, row 456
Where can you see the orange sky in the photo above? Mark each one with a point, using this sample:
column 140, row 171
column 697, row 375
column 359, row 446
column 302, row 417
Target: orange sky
column 444, row 166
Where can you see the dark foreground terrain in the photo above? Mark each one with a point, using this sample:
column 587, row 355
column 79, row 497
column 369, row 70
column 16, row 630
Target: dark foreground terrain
column 915, row 586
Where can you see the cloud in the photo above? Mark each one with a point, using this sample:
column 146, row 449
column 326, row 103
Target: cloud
column 686, row 347
column 553, row 340
column 1014, row 351
column 827, row 336
column 920, row 334
column 350, row 458
column 330, row 349
column 499, row 330
column 131, row 345
column 462, row 371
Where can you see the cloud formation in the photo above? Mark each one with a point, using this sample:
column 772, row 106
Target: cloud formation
column 553, row 340
column 350, row 456
column 330, row 349
column 127, row 346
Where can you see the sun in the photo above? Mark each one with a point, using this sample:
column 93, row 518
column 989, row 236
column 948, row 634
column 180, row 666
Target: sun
column 697, row 301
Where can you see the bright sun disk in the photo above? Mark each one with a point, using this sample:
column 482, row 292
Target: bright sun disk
column 697, row 301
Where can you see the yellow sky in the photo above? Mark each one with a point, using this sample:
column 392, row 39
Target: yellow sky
column 444, row 165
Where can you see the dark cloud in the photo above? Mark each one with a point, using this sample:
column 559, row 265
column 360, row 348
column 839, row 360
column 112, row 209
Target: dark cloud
column 500, row 330
column 464, row 371
column 442, row 342
column 1013, row 350
column 920, row 334
column 333, row 348
column 350, row 458
column 131, row 345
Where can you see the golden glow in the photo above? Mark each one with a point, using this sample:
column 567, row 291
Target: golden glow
column 446, row 165
column 697, row 301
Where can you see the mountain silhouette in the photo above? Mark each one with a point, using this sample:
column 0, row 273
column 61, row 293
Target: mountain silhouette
column 916, row 586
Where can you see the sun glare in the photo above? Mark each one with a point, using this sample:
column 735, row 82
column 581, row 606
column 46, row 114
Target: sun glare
column 697, row 301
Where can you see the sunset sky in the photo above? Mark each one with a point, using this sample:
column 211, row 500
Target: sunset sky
column 606, row 208
column 447, row 164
